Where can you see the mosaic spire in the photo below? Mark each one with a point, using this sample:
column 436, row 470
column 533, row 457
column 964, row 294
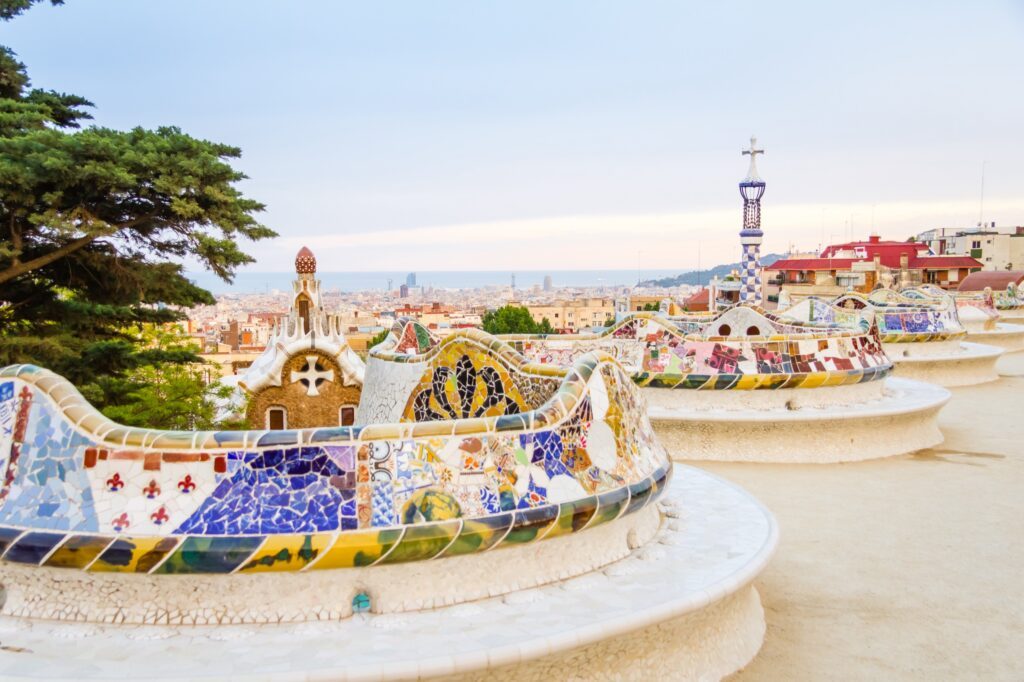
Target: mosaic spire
column 751, row 189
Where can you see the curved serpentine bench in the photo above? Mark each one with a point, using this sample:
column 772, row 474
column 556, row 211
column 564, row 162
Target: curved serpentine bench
column 750, row 385
column 1010, row 304
column 984, row 323
column 925, row 339
column 108, row 523
column 978, row 314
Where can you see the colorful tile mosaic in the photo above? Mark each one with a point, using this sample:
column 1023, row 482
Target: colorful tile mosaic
column 742, row 348
column 908, row 320
column 494, row 451
column 1011, row 298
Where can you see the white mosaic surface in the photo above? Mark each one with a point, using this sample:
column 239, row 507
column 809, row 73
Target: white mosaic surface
column 715, row 538
column 902, row 419
column 946, row 363
column 1009, row 337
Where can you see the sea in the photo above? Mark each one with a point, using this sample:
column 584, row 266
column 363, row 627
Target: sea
column 265, row 282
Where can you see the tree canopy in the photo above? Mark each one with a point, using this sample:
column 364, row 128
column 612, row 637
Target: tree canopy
column 511, row 319
column 94, row 226
column 12, row 8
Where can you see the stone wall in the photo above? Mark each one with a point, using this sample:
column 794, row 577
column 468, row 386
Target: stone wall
column 304, row 411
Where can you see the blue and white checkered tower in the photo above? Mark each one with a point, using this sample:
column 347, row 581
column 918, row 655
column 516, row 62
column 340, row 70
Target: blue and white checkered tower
column 751, row 189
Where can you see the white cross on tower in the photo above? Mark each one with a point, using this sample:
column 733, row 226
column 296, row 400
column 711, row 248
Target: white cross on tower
column 752, row 175
column 311, row 375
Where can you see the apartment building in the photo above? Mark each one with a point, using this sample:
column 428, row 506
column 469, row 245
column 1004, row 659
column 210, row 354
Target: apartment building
column 574, row 315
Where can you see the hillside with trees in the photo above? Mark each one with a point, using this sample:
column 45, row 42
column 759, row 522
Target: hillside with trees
column 702, row 277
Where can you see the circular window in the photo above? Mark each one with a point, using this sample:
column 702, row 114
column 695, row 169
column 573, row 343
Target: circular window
column 724, row 330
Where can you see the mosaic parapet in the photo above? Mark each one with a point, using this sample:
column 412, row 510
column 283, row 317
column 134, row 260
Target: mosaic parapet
column 742, row 348
column 908, row 320
column 526, row 453
column 1010, row 299
column 976, row 310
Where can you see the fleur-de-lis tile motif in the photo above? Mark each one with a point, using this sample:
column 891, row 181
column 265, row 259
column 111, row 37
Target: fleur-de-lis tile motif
column 121, row 522
column 152, row 490
column 115, row 483
column 186, row 485
column 159, row 516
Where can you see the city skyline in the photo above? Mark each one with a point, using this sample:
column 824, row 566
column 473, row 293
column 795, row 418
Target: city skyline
column 456, row 137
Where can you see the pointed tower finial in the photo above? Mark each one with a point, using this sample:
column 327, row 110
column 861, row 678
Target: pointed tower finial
column 752, row 175
column 751, row 189
column 305, row 262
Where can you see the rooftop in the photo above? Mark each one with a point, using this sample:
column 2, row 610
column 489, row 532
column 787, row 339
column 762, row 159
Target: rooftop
column 889, row 253
column 994, row 279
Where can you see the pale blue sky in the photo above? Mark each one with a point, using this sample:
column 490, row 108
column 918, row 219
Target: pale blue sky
column 463, row 135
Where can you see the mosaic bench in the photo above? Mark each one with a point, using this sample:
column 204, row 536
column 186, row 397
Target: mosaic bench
column 979, row 315
column 1010, row 303
column 752, row 385
column 103, row 522
column 740, row 349
column 924, row 338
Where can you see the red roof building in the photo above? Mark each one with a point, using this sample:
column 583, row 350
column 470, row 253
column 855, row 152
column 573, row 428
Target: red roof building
column 862, row 265
column 698, row 302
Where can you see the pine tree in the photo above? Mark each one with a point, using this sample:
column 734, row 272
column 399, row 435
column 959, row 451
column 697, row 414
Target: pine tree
column 94, row 223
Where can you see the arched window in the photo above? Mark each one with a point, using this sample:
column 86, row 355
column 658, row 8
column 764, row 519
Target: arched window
column 347, row 415
column 277, row 418
column 724, row 330
column 303, row 305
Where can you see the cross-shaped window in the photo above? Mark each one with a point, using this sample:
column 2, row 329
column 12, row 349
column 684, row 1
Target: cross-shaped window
column 312, row 375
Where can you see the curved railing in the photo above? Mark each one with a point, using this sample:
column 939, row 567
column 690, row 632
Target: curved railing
column 975, row 310
column 741, row 348
column 1010, row 298
column 908, row 320
column 82, row 492
column 983, row 301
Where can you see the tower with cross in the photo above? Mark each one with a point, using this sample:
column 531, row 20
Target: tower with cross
column 308, row 375
column 751, row 189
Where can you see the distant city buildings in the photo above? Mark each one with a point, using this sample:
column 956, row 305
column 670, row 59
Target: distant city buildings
column 574, row 315
column 994, row 249
column 410, row 280
column 238, row 327
column 863, row 265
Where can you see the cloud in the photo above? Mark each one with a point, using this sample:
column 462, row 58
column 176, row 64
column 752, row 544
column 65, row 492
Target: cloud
column 653, row 241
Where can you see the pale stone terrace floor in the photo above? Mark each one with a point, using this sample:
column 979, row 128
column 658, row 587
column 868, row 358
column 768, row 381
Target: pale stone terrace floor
column 908, row 568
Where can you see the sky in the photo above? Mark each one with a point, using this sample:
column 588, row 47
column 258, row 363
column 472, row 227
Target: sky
column 568, row 135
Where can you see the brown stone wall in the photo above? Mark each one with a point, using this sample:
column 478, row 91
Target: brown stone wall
column 304, row 411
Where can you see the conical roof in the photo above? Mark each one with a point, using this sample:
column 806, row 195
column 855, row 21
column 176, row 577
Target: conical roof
column 305, row 262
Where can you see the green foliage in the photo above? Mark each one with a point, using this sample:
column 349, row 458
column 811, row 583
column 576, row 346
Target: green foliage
column 12, row 8
column 511, row 319
column 162, row 383
column 651, row 307
column 169, row 397
column 378, row 338
column 94, row 224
